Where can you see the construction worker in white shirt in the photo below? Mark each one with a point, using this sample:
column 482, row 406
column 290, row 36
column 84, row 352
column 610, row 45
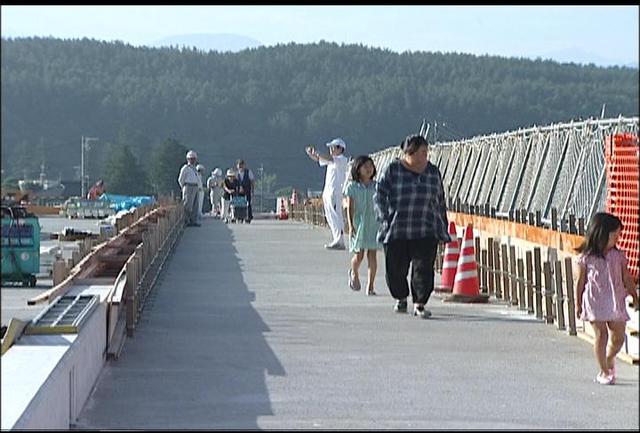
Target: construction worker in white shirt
column 336, row 164
column 189, row 181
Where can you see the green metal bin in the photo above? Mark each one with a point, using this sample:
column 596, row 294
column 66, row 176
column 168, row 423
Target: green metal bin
column 20, row 243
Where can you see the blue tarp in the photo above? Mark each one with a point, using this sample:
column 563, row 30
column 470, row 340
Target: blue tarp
column 126, row 202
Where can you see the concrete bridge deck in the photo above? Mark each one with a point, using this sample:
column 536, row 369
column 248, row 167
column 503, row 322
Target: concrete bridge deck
column 253, row 326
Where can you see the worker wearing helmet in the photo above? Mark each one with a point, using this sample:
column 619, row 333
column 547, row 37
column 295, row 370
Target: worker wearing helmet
column 190, row 183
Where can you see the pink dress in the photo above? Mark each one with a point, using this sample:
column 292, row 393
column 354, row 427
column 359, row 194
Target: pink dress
column 604, row 294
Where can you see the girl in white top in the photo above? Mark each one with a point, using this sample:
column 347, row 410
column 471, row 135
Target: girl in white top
column 336, row 164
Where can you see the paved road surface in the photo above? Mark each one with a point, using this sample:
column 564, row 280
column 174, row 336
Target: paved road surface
column 253, row 326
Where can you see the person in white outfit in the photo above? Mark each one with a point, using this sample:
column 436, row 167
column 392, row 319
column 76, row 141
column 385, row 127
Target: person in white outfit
column 214, row 183
column 189, row 183
column 200, row 170
column 336, row 164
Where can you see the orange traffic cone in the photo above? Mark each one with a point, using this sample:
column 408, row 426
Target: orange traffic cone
column 282, row 210
column 450, row 261
column 466, row 287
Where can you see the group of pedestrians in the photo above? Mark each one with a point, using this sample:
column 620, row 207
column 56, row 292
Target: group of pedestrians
column 238, row 182
column 404, row 213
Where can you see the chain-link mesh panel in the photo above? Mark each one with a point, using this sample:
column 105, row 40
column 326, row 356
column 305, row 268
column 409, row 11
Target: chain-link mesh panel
column 456, row 180
column 452, row 169
column 587, row 182
column 504, row 157
column 518, row 145
column 493, row 165
column 546, row 166
column 535, row 146
column 566, row 176
column 481, row 172
column 545, row 178
column 445, row 160
column 471, row 175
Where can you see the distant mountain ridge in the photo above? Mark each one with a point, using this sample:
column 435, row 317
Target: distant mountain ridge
column 582, row 57
column 221, row 42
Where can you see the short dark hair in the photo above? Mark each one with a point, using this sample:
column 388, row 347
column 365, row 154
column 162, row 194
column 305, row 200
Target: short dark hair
column 412, row 143
column 597, row 237
column 359, row 162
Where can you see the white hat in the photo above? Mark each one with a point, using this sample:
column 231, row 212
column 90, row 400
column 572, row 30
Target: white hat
column 192, row 154
column 231, row 172
column 200, row 167
column 217, row 172
column 337, row 142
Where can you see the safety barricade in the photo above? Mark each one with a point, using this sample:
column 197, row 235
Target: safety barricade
column 622, row 162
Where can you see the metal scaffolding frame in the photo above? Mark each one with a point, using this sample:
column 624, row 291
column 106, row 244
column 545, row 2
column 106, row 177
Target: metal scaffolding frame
column 557, row 166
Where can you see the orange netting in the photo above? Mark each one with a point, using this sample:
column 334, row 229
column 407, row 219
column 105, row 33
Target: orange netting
column 622, row 162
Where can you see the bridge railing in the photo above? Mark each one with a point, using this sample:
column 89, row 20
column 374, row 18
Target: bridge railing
column 559, row 166
column 157, row 235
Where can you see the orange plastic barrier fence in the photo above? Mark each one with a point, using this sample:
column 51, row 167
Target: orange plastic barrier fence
column 622, row 162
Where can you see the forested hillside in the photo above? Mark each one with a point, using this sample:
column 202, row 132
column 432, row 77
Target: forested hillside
column 266, row 104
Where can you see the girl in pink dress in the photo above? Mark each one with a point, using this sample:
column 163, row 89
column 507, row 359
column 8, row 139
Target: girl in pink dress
column 603, row 277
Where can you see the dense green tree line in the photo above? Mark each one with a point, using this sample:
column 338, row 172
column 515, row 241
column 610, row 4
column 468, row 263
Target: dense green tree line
column 266, row 104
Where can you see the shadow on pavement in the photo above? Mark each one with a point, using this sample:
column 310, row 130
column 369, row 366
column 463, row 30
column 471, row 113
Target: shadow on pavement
column 198, row 359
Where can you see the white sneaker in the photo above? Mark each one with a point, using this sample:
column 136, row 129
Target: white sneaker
column 337, row 246
column 421, row 313
column 604, row 379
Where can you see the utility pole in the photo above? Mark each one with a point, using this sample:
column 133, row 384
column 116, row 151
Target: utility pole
column 84, row 143
column 261, row 170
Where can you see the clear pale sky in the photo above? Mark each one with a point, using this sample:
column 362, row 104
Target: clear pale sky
column 605, row 34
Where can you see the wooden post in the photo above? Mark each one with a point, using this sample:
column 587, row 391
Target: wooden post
column 559, row 295
column 554, row 218
column 537, row 271
column 490, row 267
column 136, row 294
column 129, row 289
column 505, row 274
column 476, row 250
column 571, row 306
column 581, row 226
column 548, row 291
column 81, row 250
column 88, row 243
column 521, row 297
column 496, row 262
column 572, row 224
column 529, row 263
column 513, row 275
column 59, row 271
column 484, row 287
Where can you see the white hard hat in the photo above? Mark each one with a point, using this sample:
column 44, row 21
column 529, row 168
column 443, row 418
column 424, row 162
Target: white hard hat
column 337, row 142
column 200, row 167
column 231, row 172
column 192, row 154
column 217, row 172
